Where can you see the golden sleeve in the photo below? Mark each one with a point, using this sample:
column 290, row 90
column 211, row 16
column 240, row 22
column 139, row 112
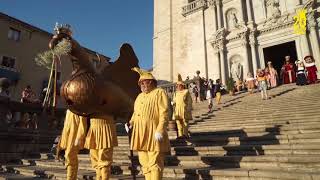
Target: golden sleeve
column 163, row 112
column 134, row 112
column 132, row 119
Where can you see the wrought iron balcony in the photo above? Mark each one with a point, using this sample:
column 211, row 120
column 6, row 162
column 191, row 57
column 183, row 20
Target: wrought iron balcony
column 194, row 6
column 10, row 73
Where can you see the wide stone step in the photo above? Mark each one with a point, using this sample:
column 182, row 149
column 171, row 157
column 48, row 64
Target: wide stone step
column 251, row 122
column 281, row 124
column 241, row 150
column 301, row 163
column 271, row 130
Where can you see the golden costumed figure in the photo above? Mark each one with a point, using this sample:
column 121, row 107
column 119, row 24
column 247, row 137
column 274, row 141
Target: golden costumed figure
column 98, row 95
column 149, row 126
column 182, row 102
column 72, row 140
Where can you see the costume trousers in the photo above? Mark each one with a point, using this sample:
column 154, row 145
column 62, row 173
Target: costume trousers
column 182, row 126
column 218, row 97
column 71, row 162
column 152, row 164
column 101, row 160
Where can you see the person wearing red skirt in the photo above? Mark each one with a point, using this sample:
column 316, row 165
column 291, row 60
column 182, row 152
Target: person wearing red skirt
column 311, row 69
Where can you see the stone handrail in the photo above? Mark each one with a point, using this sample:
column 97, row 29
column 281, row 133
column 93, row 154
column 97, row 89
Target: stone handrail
column 13, row 112
column 19, row 139
column 171, row 87
column 8, row 68
column 194, row 6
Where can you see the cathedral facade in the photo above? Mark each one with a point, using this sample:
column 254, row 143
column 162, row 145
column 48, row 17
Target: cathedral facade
column 224, row 38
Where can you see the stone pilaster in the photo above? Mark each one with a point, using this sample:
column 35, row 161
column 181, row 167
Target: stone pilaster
column 218, row 3
column 246, row 66
column 223, row 66
column 314, row 39
column 252, row 41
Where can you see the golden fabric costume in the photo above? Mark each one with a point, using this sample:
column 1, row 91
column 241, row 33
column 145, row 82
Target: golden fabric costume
column 150, row 117
column 74, row 129
column 182, row 111
column 101, row 139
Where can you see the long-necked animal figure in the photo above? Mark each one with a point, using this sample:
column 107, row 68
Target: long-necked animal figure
column 90, row 93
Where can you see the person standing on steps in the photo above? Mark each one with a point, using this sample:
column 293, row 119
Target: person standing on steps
column 100, row 140
column 149, row 126
column 217, row 91
column 288, row 71
column 72, row 140
column 273, row 75
column 301, row 74
column 311, row 69
column 183, row 107
column 262, row 82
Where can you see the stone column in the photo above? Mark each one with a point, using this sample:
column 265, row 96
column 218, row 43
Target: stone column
column 241, row 12
column 214, row 16
column 314, row 39
column 304, row 45
column 246, row 65
column 248, row 4
column 250, row 16
column 218, row 4
column 254, row 59
column 216, row 55
column 223, row 67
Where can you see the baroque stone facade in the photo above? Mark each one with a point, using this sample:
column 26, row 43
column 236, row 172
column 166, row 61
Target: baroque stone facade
column 229, row 37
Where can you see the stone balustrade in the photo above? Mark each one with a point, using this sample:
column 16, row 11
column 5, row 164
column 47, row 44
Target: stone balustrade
column 194, row 6
column 26, row 129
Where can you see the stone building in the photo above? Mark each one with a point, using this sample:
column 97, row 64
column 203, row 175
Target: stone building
column 20, row 43
column 230, row 37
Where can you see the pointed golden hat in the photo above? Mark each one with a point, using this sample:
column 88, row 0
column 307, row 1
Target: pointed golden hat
column 143, row 74
column 180, row 80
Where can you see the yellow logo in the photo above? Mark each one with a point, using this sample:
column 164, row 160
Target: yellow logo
column 300, row 22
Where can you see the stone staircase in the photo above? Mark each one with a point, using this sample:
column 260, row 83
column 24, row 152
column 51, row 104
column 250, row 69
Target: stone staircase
column 244, row 138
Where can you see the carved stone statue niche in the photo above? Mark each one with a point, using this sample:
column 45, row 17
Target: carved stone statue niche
column 272, row 7
column 232, row 19
column 236, row 69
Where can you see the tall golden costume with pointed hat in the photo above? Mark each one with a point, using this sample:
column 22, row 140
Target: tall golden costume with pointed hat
column 72, row 140
column 149, row 134
column 183, row 107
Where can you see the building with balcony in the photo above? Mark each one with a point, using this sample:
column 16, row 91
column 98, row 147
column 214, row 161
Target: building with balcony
column 224, row 38
column 20, row 42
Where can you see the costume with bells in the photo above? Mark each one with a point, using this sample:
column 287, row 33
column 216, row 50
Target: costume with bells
column 149, row 134
column 72, row 140
column 183, row 107
column 101, row 139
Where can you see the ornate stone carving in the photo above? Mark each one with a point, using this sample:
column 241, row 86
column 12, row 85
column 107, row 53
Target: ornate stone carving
column 212, row 3
column 311, row 21
column 252, row 38
column 243, row 39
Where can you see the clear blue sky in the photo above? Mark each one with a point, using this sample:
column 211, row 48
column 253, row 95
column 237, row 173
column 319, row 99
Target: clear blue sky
column 100, row 25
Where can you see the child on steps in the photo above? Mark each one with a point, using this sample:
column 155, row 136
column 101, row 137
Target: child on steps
column 262, row 82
